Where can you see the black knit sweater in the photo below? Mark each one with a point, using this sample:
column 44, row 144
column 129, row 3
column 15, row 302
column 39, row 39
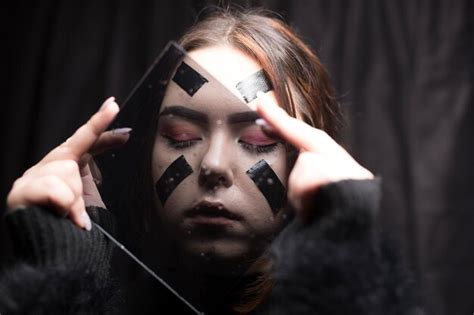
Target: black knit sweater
column 339, row 263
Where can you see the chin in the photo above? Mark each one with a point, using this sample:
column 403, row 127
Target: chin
column 218, row 256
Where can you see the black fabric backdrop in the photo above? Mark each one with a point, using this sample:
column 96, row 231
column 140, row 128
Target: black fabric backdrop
column 403, row 70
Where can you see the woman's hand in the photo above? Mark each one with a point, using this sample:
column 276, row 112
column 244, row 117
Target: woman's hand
column 321, row 160
column 62, row 180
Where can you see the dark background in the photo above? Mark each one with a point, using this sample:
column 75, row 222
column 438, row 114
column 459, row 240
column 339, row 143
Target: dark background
column 403, row 71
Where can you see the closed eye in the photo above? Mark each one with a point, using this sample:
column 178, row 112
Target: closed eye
column 255, row 141
column 180, row 144
column 255, row 148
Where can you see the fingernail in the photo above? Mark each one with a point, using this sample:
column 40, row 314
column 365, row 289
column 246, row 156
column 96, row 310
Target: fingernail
column 107, row 102
column 86, row 221
column 121, row 131
column 261, row 122
column 265, row 126
column 103, row 106
column 267, row 129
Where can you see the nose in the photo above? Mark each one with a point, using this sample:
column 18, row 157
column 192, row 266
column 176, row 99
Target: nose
column 216, row 167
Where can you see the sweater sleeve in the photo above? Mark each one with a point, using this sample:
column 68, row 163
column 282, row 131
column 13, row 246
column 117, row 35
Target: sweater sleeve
column 58, row 268
column 340, row 263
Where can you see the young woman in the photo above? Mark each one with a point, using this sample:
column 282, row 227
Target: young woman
column 210, row 236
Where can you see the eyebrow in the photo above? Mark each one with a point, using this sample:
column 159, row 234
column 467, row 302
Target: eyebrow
column 185, row 113
column 191, row 114
column 242, row 117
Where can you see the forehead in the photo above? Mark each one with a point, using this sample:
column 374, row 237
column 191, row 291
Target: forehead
column 226, row 64
column 223, row 67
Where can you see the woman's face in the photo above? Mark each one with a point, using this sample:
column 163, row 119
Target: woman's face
column 217, row 212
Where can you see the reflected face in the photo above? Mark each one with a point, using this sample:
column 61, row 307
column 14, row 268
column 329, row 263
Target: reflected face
column 217, row 211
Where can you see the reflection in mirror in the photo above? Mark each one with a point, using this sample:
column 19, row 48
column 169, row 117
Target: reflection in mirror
column 199, row 189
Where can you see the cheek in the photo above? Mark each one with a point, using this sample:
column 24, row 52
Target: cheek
column 260, row 212
column 281, row 168
column 262, row 223
column 279, row 164
column 161, row 159
column 277, row 161
column 182, row 198
column 170, row 171
column 184, row 193
column 164, row 155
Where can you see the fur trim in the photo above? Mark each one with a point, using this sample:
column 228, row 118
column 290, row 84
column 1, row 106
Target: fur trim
column 317, row 275
column 25, row 289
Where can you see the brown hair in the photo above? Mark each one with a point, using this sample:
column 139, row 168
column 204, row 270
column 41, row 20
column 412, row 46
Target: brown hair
column 302, row 87
column 300, row 82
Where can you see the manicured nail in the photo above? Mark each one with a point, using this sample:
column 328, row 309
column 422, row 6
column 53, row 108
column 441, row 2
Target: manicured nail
column 86, row 221
column 267, row 129
column 121, row 131
column 107, row 102
column 265, row 126
column 261, row 122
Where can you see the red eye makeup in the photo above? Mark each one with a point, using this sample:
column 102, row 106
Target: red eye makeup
column 254, row 140
column 180, row 134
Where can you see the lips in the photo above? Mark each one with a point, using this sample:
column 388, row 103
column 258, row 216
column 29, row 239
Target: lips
column 213, row 212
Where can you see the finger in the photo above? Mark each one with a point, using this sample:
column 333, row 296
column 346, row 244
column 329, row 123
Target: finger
column 44, row 191
column 95, row 172
column 68, row 167
column 91, row 194
column 67, row 171
column 303, row 185
column 110, row 140
column 91, row 169
column 268, row 130
column 85, row 160
column 296, row 184
column 79, row 215
column 308, row 173
column 292, row 130
column 85, row 137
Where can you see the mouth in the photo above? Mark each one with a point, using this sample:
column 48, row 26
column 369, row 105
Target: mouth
column 211, row 213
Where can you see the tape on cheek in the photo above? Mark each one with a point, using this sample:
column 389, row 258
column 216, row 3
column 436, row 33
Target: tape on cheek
column 269, row 184
column 172, row 177
column 257, row 82
column 189, row 79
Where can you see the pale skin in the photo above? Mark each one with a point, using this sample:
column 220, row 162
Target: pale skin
column 321, row 160
column 62, row 180
column 220, row 155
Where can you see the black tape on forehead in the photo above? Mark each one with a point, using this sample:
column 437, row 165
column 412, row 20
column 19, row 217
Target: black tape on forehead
column 257, row 82
column 189, row 79
column 172, row 177
column 269, row 184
